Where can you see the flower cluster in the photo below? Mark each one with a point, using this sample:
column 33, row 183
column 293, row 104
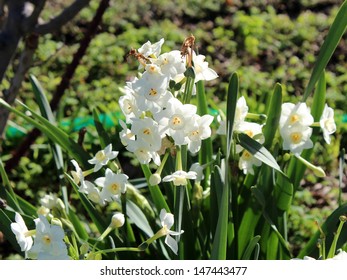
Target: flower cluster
column 296, row 124
column 153, row 111
column 48, row 239
column 104, row 189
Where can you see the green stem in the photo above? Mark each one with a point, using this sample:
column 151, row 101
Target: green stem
column 332, row 250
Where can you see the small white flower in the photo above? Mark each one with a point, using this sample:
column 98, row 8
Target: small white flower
column 151, row 50
column 112, row 185
column 48, row 243
column 50, row 200
column 147, row 130
column 167, row 221
column 292, row 114
column 179, row 178
column 296, row 138
column 175, row 120
column 199, row 170
column 143, row 152
column 102, row 157
column 247, row 161
column 327, row 123
column 202, row 72
column 78, row 178
column 198, row 130
column 171, row 64
column 20, row 230
column 117, row 220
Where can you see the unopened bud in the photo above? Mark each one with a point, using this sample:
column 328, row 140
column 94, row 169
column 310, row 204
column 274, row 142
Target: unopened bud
column 155, row 179
column 56, row 222
column 117, row 220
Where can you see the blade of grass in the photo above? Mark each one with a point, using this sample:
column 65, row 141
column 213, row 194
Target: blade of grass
column 220, row 241
column 337, row 29
column 47, row 113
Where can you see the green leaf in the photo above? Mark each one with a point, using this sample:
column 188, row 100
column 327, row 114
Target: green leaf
column 47, row 113
column 138, row 218
column 233, row 90
column 258, row 151
column 250, row 248
column 103, row 135
column 337, row 29
column 157, row 196
column 273, row 116
column 77, row 224
column 53, row 133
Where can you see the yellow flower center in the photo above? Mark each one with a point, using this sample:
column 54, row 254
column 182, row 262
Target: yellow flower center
column 152, row 92
column 146, row 131
column 293, row 119
column 249, row 133
column 296, row 137
column 100, row 156
column 46, row 239
column 176, row 122
column 246, row 155
column 114, row 188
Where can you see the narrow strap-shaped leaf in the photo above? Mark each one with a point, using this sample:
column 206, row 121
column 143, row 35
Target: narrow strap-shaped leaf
column 273, row 116
column 233, row 90
column 103, row 136
column 337, row 29
column 6, row 190
column 138, row 218
column 47, row 113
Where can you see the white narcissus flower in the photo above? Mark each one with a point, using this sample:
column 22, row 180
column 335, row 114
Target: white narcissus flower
column 292, row 114
column 296, row 138
column 199, row 170
column 295, row 127
column 151, row 90
column 240, row 112
column 175, row 120
column 147, row 130
column 179, row 178
column 171, row 64
column 151, row 50
column 327, row 123
column 198, row 130
column 202, row 72
column 143, row 152
column 167, row 221
column 20, row 230
column 49, row 200
column 78, row 177
column 48, row 243
column 125, row 135
column 113, row 185
column 102, row 157
column 247, row 161
column 128, row 103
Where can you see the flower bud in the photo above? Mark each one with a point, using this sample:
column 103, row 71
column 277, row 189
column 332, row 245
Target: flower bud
column 117, row 220
column 155, row 179
column 56, row 222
